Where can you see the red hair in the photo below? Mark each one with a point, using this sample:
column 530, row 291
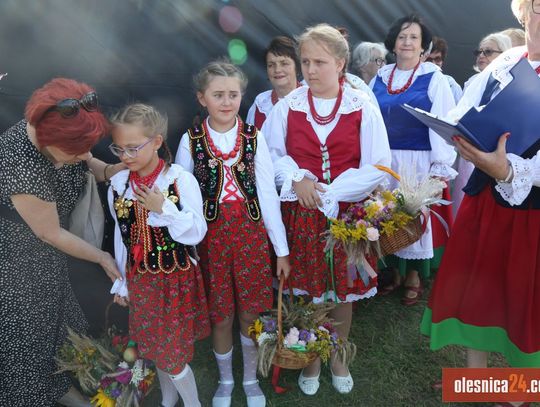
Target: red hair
column 76, row 135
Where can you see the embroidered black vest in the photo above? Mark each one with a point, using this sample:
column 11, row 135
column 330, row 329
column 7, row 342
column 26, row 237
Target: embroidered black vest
column 479, row 179
column 208, row 170
column 161, row 252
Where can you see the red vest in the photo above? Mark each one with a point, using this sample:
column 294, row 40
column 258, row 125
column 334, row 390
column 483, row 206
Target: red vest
column 260, row 117
column 343, row 143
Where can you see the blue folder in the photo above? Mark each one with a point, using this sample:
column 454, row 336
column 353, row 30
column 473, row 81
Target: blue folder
column 516, row 109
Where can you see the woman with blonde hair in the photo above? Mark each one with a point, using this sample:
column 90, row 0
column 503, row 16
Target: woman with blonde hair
column 325, row 140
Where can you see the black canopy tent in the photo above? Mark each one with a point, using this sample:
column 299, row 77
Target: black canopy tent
column 148, row 50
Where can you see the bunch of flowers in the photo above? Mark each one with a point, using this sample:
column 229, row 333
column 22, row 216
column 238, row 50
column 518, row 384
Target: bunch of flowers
column 108, row 369
column 307, row 330
column 362, row 227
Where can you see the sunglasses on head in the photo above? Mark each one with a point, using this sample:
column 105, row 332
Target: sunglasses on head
column 70, row 107
column 487, row 52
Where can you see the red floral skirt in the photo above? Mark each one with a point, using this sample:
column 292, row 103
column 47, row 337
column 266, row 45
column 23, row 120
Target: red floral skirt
column 236, row 263
column 168, row 313
column 309, row 271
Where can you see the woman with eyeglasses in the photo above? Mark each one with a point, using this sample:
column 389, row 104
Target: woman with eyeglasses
column 414, row 146
column 42, row 174
column 489, row 48
column 367, row 58
column 486, row 296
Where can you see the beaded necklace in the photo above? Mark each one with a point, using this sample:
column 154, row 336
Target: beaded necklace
column 405, row 87
column 137, row 181
column 323, row 120
column 216, row 151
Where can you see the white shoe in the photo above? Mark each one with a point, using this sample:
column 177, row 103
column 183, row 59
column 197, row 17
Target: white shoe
column 308, row 385
column 224, row 401
column 255, row 401
column 343, row 384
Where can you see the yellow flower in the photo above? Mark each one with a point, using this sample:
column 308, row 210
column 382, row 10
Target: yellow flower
column 359, row 233
column 102, row 400
column 388, row 196
column 388, row 228
column 401, row 218
column 256, row 328
column 339, row 231
column 372, row 210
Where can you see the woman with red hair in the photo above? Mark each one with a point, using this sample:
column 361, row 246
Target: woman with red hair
column 43, row 161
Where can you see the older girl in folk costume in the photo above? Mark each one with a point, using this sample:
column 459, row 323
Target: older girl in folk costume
column 419, row 84
column 158, row 212
column 486, row 296
column 282, row 68
column 232, row 164
column 325, row 141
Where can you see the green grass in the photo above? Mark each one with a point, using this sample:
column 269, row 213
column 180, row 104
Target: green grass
column 393, row 367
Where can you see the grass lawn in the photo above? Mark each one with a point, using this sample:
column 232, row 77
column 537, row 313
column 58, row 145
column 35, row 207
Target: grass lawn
column 393, row 367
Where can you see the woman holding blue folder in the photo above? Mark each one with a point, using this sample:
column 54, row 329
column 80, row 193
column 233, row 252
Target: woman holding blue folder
column 487, row 293
column 418, row 84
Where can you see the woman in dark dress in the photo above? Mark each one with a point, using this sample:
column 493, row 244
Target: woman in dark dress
column 42, row 173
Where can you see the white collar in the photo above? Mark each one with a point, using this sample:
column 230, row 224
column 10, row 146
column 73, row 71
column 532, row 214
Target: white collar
column 164, row 179
column 352, row 100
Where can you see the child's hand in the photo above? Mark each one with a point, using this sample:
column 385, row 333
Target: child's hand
column 307, row 193
column 122, row 301
column 283, row 267
column 151, row 199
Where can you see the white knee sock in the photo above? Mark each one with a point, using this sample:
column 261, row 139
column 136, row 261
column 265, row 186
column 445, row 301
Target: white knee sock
column 187, row 387
column 169, row 395
column 226, row 379
column 250, row 356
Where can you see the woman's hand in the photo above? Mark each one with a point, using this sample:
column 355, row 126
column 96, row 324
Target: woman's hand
column 109, row 265
column 306, row 191
column 122, row 301
column 151, row 199
column 494, row 164
column 283, row 267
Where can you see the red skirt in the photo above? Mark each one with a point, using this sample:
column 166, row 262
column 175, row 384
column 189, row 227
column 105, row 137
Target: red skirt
column 236, row 263
column 168, row 312
column 489, row 281
column 309, row 272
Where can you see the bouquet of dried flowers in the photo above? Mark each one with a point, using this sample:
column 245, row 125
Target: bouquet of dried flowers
column 108, row 369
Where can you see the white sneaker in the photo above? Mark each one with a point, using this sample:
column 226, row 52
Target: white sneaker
column 343, row 384
column 308, row 385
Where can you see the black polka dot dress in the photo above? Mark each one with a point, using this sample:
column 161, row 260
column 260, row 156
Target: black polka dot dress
column 36, row 299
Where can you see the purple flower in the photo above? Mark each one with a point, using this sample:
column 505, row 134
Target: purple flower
column 269, row 325
column 334, row 336
column 304, row 335
column 115, row 393
column 124, row 377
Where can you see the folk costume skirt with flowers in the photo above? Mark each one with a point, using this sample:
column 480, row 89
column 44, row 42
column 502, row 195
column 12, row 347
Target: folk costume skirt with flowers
column 310, row 273
column 486, row 295
column 236, row 263
column 168, row 313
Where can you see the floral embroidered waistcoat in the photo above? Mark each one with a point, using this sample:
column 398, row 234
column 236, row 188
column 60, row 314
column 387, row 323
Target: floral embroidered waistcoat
column 161, row 253
column 208, row 170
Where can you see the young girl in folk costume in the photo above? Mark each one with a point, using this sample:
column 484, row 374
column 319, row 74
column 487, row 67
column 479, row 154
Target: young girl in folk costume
column 158, row 212
column 232, row 164
column 282, row 68
column 325, row 141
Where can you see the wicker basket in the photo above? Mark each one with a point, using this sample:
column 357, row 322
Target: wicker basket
column 402, row 238
column 286, row 358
